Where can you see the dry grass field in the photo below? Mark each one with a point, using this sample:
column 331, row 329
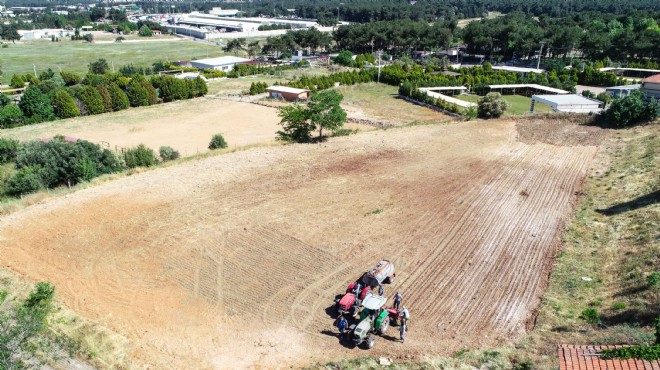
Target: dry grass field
column 235, row 260
column 185, row 125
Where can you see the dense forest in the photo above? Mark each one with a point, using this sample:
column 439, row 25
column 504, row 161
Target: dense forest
column 378, row 10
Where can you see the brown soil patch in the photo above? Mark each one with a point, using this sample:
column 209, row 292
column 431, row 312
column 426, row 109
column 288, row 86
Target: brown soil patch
column 235, row 260
column 185, row 125
column 557, row 131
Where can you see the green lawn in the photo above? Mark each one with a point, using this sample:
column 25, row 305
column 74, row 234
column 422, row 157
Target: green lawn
column 518, row 104
column 76, row 55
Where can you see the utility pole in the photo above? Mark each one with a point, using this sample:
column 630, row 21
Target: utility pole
column 380, row 54
column 572, row 47
column 538, row 63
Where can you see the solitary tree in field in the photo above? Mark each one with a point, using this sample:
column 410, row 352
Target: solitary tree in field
column 321, row 112
column 10, row 33
column 99, row 67
column 491, row 106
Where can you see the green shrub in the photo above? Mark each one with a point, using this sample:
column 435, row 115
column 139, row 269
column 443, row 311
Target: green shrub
column 141, row 156
column 36, row 105
column 618, row 306
column 8, row 148
column 648, row 353
column 105, row 98
column 213, row 73
column 604, row 97
column 171, row 88
column 10, row 116
column 344, row 58
column 140, row 92
column 258, row 88
column 588, row 94
column 653, row 279
column 118, row 97
column 167, row 153
column 491, row 106
column 591, row 316
column 4, row 100
column 60, row 161
column 632, row 109
column 471, row 113
column 26, row 180
column 217, row 142
column 145, row 31
column 91, row 99
column 65, row 106
column 70, row 78
column 17, row 82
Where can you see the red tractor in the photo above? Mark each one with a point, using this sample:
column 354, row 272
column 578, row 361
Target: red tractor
column 349, row 303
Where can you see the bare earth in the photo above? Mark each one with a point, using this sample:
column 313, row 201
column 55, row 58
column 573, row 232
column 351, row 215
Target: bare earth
column 184, row 125
column 234, row 260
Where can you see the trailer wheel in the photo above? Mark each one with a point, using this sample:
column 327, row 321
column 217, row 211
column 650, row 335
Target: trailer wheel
column 371, row 340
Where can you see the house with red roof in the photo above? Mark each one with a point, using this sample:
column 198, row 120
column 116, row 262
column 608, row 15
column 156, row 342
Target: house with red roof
column 651, row 86
column 574, row 357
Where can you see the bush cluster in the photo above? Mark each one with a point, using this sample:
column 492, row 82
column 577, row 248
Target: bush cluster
column 140, row 156
column 217, row 142
column 258, row 88
column 632, row 109
column 57, row 162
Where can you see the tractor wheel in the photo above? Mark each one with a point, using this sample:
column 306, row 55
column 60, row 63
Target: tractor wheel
column 384, row 325
column 371, row 340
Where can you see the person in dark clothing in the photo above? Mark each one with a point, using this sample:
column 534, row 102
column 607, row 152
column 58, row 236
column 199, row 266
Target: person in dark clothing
column 397, row 300
column 381, row 290
column 342, row 325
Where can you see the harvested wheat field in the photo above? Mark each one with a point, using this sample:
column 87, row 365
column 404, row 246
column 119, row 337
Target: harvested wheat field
column 184, row 125
column 235, row 260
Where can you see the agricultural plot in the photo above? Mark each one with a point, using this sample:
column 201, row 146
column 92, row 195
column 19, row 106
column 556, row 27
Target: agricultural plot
column 235, row 260
column 379, row 102
column 75, row 56
column 184, row 125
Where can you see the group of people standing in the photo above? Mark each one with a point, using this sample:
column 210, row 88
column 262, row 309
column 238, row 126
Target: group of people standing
column 404, row 314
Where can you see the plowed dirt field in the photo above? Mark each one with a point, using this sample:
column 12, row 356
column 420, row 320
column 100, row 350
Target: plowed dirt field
column 235, row 260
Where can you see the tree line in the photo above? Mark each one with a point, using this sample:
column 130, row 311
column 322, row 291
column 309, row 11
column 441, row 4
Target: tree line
column 53, row 96
column 595, row 35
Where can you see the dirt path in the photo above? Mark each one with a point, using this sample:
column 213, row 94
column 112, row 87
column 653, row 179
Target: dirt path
column 235, row 260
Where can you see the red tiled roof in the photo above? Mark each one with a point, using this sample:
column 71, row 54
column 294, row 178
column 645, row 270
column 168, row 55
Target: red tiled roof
column 573, row 357
column 654, row 79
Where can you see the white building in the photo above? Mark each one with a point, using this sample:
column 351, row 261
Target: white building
column 569, row 103
column 224, row 64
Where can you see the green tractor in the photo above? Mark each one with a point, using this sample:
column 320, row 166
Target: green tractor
column 373, row 320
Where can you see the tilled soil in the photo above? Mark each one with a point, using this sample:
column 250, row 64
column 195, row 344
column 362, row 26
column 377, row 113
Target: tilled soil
column 235, row 260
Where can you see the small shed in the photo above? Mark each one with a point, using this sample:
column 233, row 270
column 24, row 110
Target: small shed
column 621, row 91
column 651, row 86
column 287, row 93
column 575, row 357
column 569, row 103
column 156, row 32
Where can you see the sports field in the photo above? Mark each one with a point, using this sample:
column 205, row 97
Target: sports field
column 518, row 104
column 75, row 56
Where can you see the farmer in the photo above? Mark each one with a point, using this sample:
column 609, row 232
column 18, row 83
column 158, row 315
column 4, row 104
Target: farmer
column 381, row 290
column 342, row 325
column 406, row 316
column 397, row 300
column 402, row 332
